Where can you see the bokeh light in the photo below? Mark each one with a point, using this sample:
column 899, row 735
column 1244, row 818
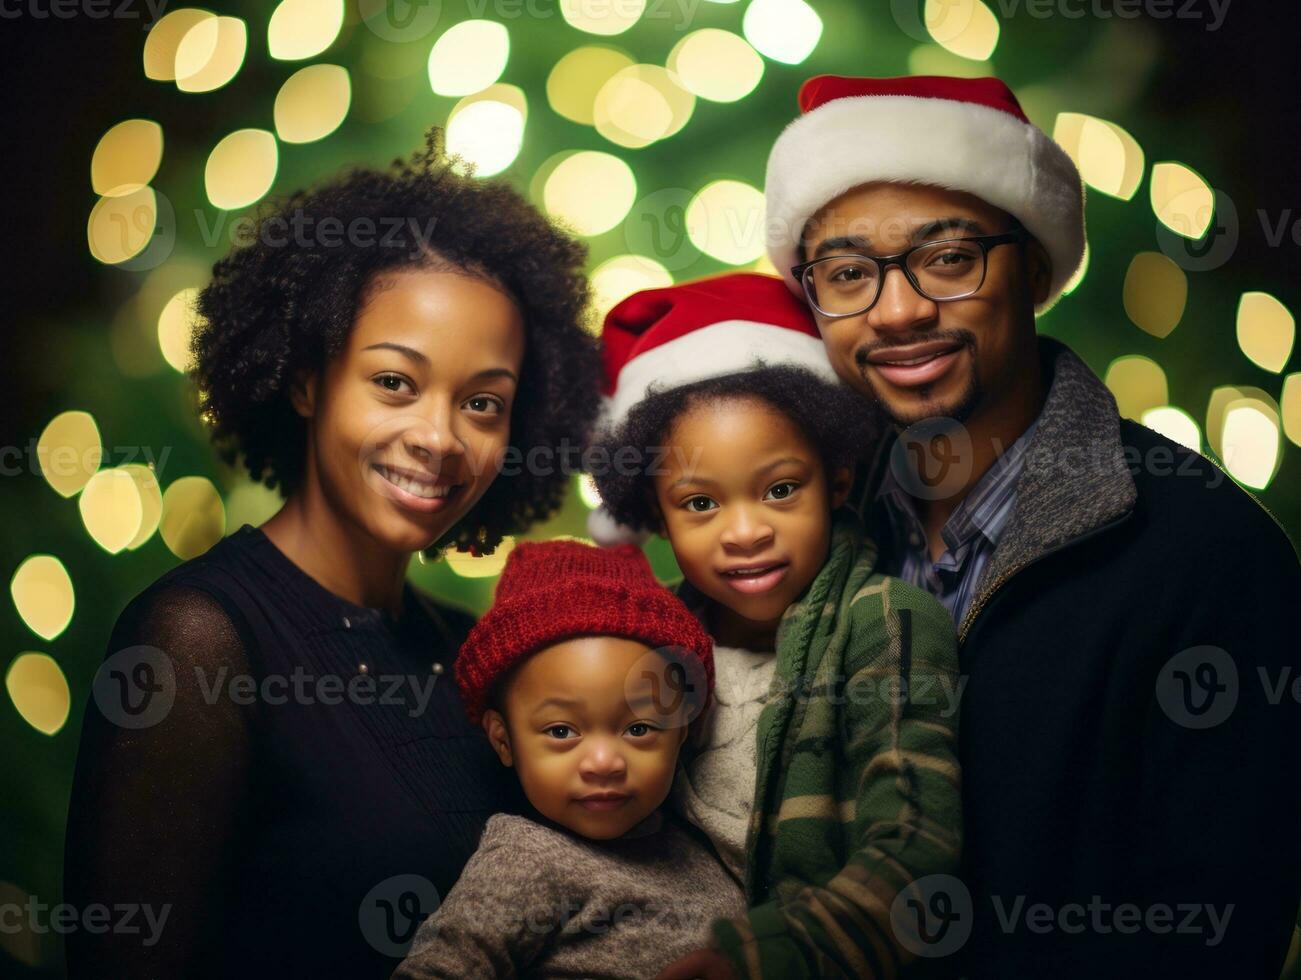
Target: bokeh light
column 111, row 509
column 194, row 518
column 726, row 221
column 576, row 78
column 641, row 104
column 1266, row 331
column 585, row 485
column 1109, row 158
column 486, row 130
column 1291, row 407
column 43, row 595
column 303, row 28
column 126, row 157
column 967, row 28
column 1156, row 293
column 39, row 691
column 69, row 452
column 176, row 326
column 210, row 54
column 590, row 191
column 151, row 502
column 469, row 57
column 1182, row 200
column 1250, row 442
column 121, row 226
column 312, row 103
column 241, row 169
column 164, row 38
column 1138, row 383
column 620, row 277
column 716, row 65
column 602, row 16
column 783, row 30
column 466, row 565
column 1175, row 424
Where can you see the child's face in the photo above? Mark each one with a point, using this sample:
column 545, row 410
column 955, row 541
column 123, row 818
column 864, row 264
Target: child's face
column 743, row 489
column 588, row 731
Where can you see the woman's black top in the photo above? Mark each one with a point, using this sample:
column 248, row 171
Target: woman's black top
column 281, row 781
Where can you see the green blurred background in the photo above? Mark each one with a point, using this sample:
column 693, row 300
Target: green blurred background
column 1183, row 307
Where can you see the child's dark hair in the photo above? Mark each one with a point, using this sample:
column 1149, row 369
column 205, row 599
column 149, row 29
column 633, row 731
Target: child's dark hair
column 285, row 303
column 840, row 423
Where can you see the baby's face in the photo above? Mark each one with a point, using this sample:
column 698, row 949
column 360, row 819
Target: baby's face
column 746, row 505
column 593, row 726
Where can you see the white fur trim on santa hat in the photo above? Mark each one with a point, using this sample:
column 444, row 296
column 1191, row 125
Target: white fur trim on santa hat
column 956, row 145
column 607, row 532
column 723, row 348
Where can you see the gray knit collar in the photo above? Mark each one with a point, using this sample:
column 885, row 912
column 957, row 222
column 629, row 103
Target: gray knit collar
column 1076, row 480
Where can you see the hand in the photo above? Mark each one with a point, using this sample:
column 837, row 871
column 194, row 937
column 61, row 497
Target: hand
column 705, row 964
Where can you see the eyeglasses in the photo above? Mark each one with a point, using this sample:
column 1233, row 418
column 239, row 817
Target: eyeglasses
column 847, row 285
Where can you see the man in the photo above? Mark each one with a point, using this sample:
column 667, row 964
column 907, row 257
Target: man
column 1125, row 612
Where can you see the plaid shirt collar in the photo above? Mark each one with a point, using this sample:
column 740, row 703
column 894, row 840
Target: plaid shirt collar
column 985, row 511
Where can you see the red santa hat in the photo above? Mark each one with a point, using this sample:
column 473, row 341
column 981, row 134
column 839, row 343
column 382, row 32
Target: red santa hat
column 966, row 134
column 660, row 339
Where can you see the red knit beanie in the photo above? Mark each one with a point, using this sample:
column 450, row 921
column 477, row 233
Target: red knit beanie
column 555, row 590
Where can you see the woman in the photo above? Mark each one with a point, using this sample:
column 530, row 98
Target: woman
column 290, row 782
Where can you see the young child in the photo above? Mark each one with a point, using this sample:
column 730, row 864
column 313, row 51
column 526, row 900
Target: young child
column 585, row 674
column 825, row 773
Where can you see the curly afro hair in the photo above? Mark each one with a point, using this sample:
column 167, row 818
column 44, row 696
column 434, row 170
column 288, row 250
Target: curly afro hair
column 282, row 303
column 841, row 425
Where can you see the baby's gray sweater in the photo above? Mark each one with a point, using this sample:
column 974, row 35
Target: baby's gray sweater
column 537, row 901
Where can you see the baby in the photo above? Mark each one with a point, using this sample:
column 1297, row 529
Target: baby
column 826, row 772
column 585, row 674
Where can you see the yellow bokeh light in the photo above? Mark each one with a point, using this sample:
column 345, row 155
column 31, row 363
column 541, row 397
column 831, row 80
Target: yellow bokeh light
column 111, row 509
column 1181, row 200
column 126, row 157
column 602, row 16
column 577, row 78
column 641, row 104
column 469, row 57
column 1291, row 407
column 43, row 595
column 1215, row 406
column 151, row 502
column 466, row 565
column 210, row 54
column 194, row 518
column 176, row 328
column 620, row 277
column 120, row 227
column 303, row 28
column 716, row 65
column 165, row 37
column 39, row 691
column 1266, row 331
column 1174, row 424
column 69, row 452
column 312, row 103
column 1138, row 383
column 726, row 221
column 967, row 28
column 487, row 129
column 241, row 169
column 783, row 30
column 1109, row 158
column 1156, row 293
column 587, row 492
column 1250, row 443
column 590, row 191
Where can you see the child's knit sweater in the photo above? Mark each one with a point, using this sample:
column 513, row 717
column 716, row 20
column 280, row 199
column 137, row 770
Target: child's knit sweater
column 538, row 901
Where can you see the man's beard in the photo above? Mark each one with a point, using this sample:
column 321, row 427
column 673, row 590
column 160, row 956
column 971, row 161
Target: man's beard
column 960, row 411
